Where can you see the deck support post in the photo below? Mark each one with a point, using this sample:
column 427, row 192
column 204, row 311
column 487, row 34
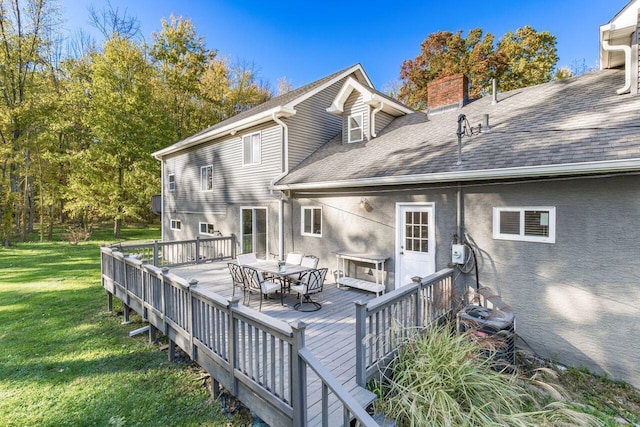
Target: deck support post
column 110, row 302
column 361, row 349
column 127, row 313
column 152, row 334
column 298, row 376
column 233, row 343
column 215, row 387
column 171, row 351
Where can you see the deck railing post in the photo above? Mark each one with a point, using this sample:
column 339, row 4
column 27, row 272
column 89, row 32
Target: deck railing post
column 191, row 317
column 144, row 279
column 419, row 299
column 361, row 348
column 155, row 253
column 163, row 292
column 298, row 376
column 125, row 280
column 233, row 246
column 197, row 249
column 233, row 343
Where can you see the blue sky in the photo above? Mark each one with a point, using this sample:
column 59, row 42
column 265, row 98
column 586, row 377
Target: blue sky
column 306, row 40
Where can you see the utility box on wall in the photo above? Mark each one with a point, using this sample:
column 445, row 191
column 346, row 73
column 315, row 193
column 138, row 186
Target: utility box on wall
column 458, row 254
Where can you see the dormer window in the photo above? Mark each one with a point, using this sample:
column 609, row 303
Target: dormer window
column 355, row 128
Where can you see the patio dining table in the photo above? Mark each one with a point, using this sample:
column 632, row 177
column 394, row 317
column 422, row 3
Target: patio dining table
column 273, row 268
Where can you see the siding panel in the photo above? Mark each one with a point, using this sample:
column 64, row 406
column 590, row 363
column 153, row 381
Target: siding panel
column 382, row 120
column 232, row 181
column 312, row 126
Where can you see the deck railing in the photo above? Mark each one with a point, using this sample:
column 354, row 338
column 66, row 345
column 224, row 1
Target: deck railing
column 182, row 252
column 384, row 323
column 260, row 360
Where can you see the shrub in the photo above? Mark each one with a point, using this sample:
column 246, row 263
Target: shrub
column 445, row 379
column 76, row 235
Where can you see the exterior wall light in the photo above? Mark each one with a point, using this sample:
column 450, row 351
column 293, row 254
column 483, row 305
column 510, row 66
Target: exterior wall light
column 364, row 203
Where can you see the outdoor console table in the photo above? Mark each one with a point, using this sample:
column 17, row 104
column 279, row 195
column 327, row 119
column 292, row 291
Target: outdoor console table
column 377, row 260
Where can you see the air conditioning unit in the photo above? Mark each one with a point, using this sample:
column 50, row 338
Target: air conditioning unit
column 494, row 330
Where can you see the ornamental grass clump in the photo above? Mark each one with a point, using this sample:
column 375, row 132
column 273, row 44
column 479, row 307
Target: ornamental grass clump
column 443, row 379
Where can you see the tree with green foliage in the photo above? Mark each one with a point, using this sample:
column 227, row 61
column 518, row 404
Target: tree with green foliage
column 115, row 176
column 182, row 59
column 530, row 58
column 519, row 59
column 200, row 89
column 25, row 37
column 444, row 53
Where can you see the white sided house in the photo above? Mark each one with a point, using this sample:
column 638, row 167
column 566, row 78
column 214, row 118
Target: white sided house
column 546, row 192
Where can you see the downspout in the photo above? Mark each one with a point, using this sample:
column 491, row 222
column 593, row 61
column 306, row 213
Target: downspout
column 162, row 199
column 373, row 119
column 285, row 170
column 627, row 64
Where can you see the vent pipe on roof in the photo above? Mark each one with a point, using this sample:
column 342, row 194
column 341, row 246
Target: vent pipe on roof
column 494, row 92
column 484, row 127
column 627, row 64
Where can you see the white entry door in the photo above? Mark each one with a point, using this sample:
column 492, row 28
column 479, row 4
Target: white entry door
column 416, row 243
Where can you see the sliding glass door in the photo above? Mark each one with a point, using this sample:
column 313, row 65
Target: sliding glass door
column 254, row 231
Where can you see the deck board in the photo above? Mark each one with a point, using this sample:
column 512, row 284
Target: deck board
column 329, row 335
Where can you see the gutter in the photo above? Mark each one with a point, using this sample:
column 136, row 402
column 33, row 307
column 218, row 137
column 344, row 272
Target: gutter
column 373, row 119
column 232, row 128
column 627, row 165
column 285, row 170
column 627, row 64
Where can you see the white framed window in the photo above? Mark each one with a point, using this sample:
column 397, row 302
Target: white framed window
column 172, row 181
column 355, row 122
column 311, row 221
column 251, row 149
column 176, row 224
column 207, row 228
column 527, row 224
column 206, row 178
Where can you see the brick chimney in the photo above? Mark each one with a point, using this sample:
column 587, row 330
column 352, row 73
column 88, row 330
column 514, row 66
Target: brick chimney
column 448, row 93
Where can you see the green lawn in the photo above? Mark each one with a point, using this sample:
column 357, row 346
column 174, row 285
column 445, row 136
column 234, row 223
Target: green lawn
column 65, row 360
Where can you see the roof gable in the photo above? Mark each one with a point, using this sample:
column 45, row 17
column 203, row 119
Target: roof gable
column 370, row 97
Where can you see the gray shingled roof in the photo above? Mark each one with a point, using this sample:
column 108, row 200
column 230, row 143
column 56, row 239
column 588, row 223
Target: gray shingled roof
column 577, row 120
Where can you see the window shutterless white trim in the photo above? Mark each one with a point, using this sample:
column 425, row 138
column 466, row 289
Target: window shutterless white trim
column 171, row 180
column 526, row 224
column 176, row 224
column 206, row 228
column 206, row 178
column 311, row 228
column 252, row 149
column 358, row 128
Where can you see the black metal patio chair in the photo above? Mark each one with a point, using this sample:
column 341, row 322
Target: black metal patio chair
column 311, row 283
column 257, row 283
column 237, row 277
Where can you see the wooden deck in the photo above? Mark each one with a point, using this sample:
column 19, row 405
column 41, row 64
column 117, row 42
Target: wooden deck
column 330, row 332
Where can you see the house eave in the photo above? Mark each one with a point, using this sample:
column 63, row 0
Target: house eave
column 369, row 97
column 606, row 166
column 263, row 117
